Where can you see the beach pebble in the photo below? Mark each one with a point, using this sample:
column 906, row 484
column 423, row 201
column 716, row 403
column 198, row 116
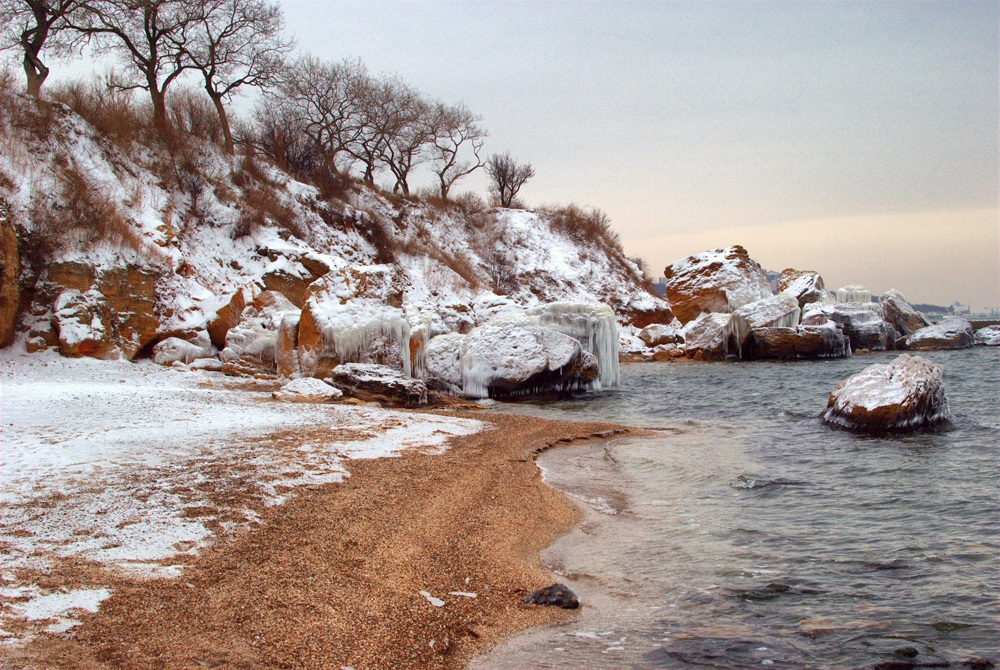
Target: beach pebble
column 556, row 595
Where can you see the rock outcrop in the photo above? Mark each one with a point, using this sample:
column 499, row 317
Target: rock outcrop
column 988, row 336
column 10, row 275
column 900, row 314
column 953, row 333
column 904, row 395
column 228, row 315
column 369, row 381
column 251, row 344
column 286, row 349
column 802, row 342
column 503, row 360
column 705, row 337
column 805, row 286
column 714, row 281
column 862, row 323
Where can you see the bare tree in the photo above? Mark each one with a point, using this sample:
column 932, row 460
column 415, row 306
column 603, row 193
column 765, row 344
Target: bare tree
column 405, row 122
column 277, row 132
column 149, row 36
column 33, row 25
column 455, row 129
column 323, row 98
column 234, row 43
column 377, row 122
column 507, row 177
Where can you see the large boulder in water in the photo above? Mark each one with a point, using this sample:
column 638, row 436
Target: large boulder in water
column 512, row 359
column 714, row 281
column 805, row 286
column 705, row 337
column 776, row 311
column 900, row 314
column 802, row 342
column 904, row 395
column 988, row 336
column 954, row 333
column 656, row 334
column 862, row 323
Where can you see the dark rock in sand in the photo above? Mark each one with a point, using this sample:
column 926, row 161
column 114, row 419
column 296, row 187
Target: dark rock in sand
column 557, row 595
column 378, row 382
column 977, row 663
column 906, row 652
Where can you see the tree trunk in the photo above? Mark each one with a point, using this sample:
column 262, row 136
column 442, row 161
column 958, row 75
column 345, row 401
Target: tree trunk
column 35, row 72
column 227, row 133
column 160, row 119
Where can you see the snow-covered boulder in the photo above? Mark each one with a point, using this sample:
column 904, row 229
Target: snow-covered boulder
column 667, row 352
column 378, row 382
column 83, row 324
column 904, row 395
column 443, row 358
column 718, row 281
column 862, row 323
column 988, row 336
column 805, row 286
column 705, row 337
column 823, row 341
column 900, row 314
column 854, row 293
column 510, row 359
column 172, row 349
column 307, row 389
column 776, row 311
column 254, row 339
column 658, row 333
column 227, row 312
column 953, row 333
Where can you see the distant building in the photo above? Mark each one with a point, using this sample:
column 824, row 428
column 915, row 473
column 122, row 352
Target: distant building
column 661, row 287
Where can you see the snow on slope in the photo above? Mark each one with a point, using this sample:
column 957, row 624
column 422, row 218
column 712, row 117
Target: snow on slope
column 188, row 216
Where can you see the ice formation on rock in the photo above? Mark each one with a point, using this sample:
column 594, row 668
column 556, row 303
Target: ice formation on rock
column 906, row 394
column 307, row 389
column 443, row 358
column 383, row 382
column 854, row 293
column 988, row 336
column 349, row 330
column 166, row 352
column 900, row 314
column 257, row 332
column 805, row 286
column 777, row 311
column 593, row 325
column 705, row 337
column 720, row 280
column 658, row 333
column 820, row 341
column 862, row 322
column 952, row 333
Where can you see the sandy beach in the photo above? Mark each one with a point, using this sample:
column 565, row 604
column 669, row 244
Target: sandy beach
column 340, row 574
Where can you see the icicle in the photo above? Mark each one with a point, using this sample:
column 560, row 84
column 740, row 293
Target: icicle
column 854, row 293
column 349, row 329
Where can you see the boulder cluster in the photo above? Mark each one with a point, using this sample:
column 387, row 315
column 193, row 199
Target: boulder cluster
column 724, row 307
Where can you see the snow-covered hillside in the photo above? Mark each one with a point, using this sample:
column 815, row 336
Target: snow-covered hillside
column 151, row 243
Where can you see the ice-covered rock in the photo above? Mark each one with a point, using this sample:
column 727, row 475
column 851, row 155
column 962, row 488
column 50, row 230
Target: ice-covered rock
column 510, row 359
column 307, row 389
column 443, row 358
column 823, row 341
column 227, row 312
column 379, row 382
column 658, row 333
column 862, row 323
column 805, row 286
column 854, row 293
column 286, row 349
column 83, row 324
column 705, row 337
column 719, row 281
column 952, row 333
column 988, row 336
column 900, row 314
column 776, row 311
column 256, row 335
column 166, row 352
column 593, row 325
column 904, row 395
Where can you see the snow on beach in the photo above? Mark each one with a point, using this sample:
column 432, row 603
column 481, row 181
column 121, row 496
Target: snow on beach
column 134, row 467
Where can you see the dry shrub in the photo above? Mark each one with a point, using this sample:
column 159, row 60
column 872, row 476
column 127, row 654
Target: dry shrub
column 83, row 216
column 332, row 185
column 470, row 203
column 192, row 114
column 250, row 175
column 379, row 231
column 114, row 112
column 260, row 206
column 585, row 225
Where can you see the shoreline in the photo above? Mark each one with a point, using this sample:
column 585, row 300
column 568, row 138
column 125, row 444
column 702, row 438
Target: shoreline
column 332, row 577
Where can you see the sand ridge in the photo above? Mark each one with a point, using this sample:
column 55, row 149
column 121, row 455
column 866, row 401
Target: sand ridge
column 333, row 577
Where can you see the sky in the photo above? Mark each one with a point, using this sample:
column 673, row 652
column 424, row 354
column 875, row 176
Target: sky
column 858, row 139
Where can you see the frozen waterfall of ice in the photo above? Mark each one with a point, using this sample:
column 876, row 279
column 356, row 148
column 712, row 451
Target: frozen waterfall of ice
column 593, row 325
column 349, row 329
column 854, row 293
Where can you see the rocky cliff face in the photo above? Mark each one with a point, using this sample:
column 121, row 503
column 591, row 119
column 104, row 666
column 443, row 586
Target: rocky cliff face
column 10, row 272
column 183, row 251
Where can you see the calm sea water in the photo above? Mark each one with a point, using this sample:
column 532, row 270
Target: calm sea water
column 748, row 534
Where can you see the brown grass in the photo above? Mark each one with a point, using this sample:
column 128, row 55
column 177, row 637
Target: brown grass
column 116, row 114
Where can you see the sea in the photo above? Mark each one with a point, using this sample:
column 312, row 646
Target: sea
column 747, row 534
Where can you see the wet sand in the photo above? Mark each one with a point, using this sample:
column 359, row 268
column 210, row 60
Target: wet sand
column 332, row 578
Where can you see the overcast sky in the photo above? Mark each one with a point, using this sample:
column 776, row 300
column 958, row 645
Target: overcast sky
column 856, row 139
